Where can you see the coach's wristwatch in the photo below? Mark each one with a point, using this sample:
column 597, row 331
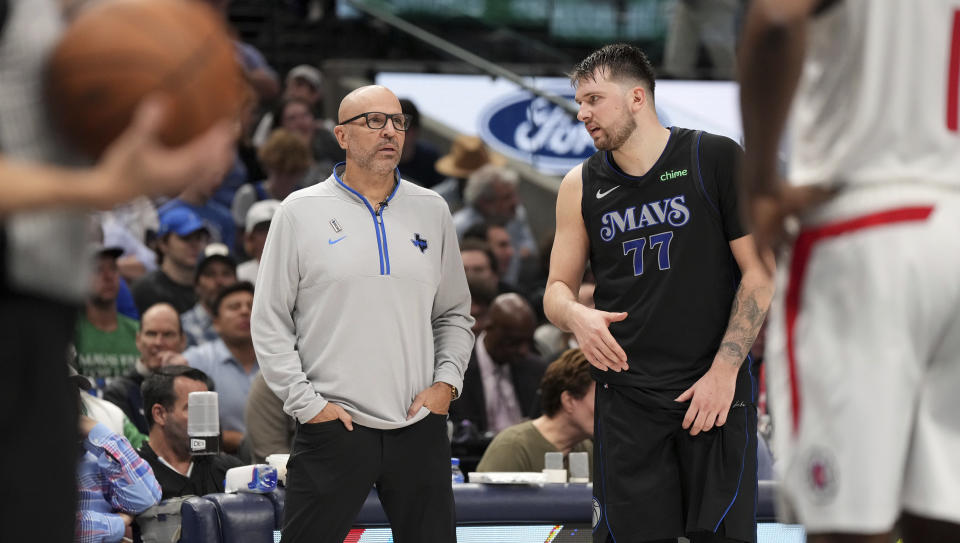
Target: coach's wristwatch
column 453, row 392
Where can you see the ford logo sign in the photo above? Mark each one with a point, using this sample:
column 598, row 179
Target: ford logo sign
column 535, row 130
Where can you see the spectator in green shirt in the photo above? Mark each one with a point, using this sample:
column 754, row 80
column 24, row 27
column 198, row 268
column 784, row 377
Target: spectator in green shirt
column 566, row 426
column 105, row 339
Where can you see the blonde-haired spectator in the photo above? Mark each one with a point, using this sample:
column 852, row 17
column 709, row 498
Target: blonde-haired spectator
column 286, row 158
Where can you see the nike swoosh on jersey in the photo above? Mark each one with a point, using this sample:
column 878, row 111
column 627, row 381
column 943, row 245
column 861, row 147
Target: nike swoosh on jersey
column 606, row 192
column 332, row 241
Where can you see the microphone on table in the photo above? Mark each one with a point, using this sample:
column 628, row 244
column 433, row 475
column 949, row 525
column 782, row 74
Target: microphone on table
column 203, row 423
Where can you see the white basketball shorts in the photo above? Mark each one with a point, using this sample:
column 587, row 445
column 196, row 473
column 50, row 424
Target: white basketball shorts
column 863, row 354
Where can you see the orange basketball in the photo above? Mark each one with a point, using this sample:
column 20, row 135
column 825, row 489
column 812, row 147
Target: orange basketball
column 119, row 51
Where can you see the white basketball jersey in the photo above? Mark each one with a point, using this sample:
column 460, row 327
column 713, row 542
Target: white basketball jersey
column 879, row 97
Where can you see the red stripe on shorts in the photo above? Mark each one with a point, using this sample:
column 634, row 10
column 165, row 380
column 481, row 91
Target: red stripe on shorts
column 798, row 269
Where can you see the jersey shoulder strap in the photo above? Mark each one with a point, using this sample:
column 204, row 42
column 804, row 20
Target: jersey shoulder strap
column 707, row 188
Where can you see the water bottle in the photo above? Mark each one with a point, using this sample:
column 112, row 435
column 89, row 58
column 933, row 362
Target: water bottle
column 455, row 474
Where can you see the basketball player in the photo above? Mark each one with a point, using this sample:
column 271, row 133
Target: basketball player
column 681, row 293
column 864, row 338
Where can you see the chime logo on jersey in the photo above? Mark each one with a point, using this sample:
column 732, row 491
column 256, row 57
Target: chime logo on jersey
column 672, row 211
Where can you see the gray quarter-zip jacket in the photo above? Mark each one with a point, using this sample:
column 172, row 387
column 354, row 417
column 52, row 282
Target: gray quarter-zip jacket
column 361, row 308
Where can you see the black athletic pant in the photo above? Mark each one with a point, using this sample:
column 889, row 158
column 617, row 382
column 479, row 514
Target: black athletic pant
column 38, row 421
column 331, row 471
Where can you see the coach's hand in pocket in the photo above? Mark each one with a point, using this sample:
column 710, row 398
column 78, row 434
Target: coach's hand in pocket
column 436, row 398
column 332, row 411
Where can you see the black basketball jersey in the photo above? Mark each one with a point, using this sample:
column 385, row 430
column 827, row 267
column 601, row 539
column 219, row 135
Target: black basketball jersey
column 659, row 248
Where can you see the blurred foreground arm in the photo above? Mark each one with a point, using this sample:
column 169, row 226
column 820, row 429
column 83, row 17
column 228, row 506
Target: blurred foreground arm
column 136, row 163
column 771, row 58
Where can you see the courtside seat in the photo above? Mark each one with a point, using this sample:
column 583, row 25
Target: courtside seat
column 199, row 521
column 244, row 517
column 277, row 498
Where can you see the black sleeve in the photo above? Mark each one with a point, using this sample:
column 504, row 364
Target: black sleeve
column 720, row 159
column 3, row 15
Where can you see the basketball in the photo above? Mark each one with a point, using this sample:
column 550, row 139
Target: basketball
column 120, row 51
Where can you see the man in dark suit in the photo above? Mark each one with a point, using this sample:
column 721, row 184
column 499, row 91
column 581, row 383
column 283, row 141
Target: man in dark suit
column 500, row 384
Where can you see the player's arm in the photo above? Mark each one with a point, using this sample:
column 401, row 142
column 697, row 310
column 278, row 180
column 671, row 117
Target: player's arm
column 136, row 163
column 567, row 262
column 711, row 396
column 771, row 58
column 750, row 304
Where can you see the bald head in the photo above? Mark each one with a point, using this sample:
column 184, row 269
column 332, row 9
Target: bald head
column 511, row 310
column 510, row 327
column 160, row 312
column 369, row 98
column 371, row 152
column 160, row 332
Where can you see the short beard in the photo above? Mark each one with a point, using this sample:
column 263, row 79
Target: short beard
column 620, row 135
column 368, row 162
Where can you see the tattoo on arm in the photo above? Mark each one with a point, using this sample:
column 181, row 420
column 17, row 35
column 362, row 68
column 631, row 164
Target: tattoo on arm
column 746, row 316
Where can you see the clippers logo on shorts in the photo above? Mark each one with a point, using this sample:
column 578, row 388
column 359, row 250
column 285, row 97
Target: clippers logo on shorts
column 822, row 475
column 419, row 243
column 596, row 513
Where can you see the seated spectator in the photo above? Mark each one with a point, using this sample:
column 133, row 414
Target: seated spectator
column 216, row 270
column 566, row 426
column 130, row 226
column 419, row 157
column 500, row 384
column 181, row 239
column 467, row 155
column 105, row 340
column 286, row 159
column 198, row 198
column 159, row 336
column 303, row 82
column 497, row 237
column 481, row 296
column 230, row 360
column 105, row 412
column 165, row 400
column 491, row 197
column 255, row 237
column 113, row 482
column 297, row 117
column 481, row 264
column 269, row 429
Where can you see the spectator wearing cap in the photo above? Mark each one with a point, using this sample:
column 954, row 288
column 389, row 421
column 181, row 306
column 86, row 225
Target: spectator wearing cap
column 491, row 197
column 230, row 360
column 287, row 159
column 198, row 198
column 303, row 82
column 181, row 239
column 160, row 336
column 104, row 339
column 467, row 155
column 419, row 157
column 216, row 270
column 255, row 237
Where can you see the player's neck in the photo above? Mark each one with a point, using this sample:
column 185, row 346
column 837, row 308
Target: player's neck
column 642, row 150
column 559, row 432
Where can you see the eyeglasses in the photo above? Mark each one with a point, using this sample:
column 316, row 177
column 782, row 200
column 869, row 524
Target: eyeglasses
column 377, row 120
